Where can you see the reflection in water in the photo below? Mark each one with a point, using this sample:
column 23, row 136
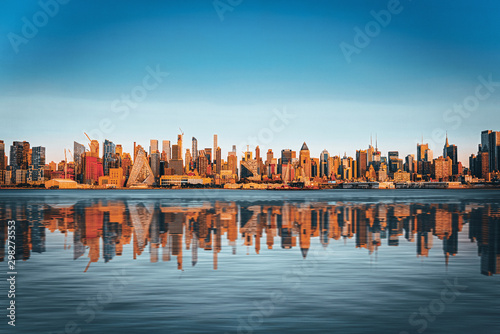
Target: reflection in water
column 180, row 232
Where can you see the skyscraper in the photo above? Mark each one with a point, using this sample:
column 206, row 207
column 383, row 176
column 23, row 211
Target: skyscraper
column 323, row 161
column 394, row 162
column 409, row 163
column 153, row 146
column 421, row 148
column 194, row 149
column 305, row 160
column 166, row 150
column 38, row 156
column 218, row 160
column 450, row 151
column 362, row 162
column 175, row 152
column 2, row 155
column 485, row 138
column 154, row 162
column 215, row 144
column 108, row 157
column 78, row 153
column 493, row 149
column 179, row 144
column 2, row 162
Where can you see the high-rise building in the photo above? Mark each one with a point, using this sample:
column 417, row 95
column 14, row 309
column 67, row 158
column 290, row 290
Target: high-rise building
column 108, row 156
column 442, row 169
column 2, row 155
column 485, row 139
column 429, row 155
column 215, row 144
column 119, row 150
column 18, row 156
column 286, row 156
column 218, row 160
column 409, row 163
column 232, row 162
column 179, row 144
column 153, row 146
column 194, row 149
column 202, row 163
column 38, row 156
column 490, row 142
column 175, row 152
column 188, row 160
column 394, row 162
column 450, row 151
column 2, row 162
column 362, row 162
column 166, row 150
column 19, row 152
column 154, row 162
column 323, row 161
column 484, row 162
column 78, row 153
column 208, row 153
column 94, row 148
column 421, row 148
column 305, row 160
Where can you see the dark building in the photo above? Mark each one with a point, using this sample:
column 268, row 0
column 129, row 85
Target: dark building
column 362, row 162
column 108, row 157
column 450, row 151
column 78, row 153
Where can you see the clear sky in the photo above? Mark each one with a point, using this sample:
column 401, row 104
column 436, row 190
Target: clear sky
column 233, row 64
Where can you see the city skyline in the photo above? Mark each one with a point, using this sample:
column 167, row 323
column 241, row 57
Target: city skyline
column 373, row 140
column 224, row 70
column 178, row 164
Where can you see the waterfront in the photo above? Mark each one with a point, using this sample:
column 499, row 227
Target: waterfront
column 194, row 261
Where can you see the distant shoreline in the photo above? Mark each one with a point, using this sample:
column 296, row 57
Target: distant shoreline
column 489, row 187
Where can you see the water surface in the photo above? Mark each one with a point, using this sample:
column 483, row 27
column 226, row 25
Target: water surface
column 222, row 261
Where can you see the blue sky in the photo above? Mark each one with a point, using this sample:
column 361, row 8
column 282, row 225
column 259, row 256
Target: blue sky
column 229, row 76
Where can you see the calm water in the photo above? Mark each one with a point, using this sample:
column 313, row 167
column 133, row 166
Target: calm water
column 218, row 261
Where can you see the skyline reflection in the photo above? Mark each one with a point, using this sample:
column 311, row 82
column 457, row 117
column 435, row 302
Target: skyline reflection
column 103, row 228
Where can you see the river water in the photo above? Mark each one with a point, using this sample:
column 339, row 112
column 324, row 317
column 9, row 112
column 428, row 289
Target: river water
column 234, row 261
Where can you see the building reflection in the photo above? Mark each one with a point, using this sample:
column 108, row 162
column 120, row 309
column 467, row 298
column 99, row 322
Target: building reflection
column 101, row 229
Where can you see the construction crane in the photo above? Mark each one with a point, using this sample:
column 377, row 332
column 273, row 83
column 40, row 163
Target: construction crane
column 65, row 166
column 90, row 140
column 72, row 157
column 182, row 133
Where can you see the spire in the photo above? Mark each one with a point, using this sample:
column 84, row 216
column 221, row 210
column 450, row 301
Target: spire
column 376, row 142
column 371, row 140
column 304, row 147
column 446, row 144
